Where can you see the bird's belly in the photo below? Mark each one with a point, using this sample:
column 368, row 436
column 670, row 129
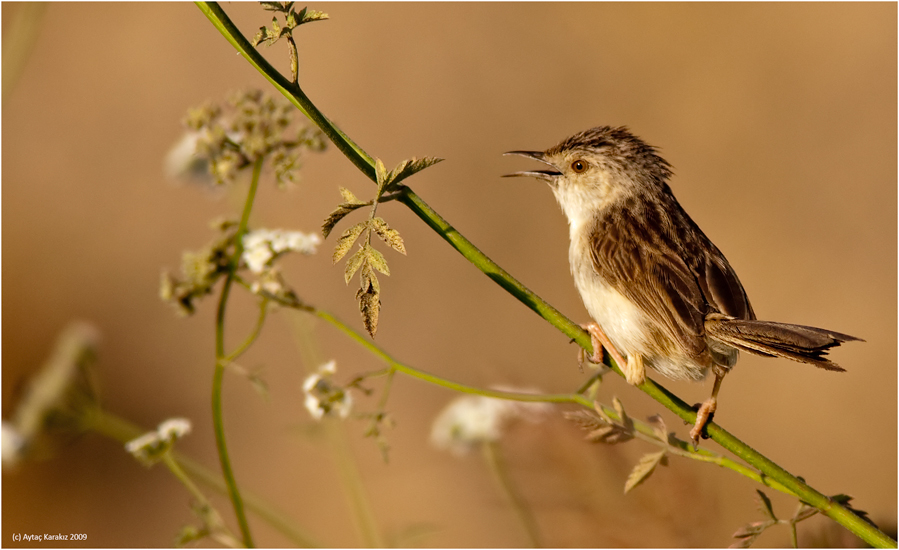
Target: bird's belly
column 633, row 332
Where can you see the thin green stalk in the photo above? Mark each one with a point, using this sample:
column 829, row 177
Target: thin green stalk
column 360, row 504
column 214, row 524
column 121, row 430
column 703, row 455
column 365, row 163
column 494, row 459
column 245, row 345
column 221, row 361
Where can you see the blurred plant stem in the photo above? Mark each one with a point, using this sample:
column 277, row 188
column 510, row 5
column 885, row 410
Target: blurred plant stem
column 222, row 359
column 19, row 38
column 357, row 497
column 644, row 430
column 494, row 457
column 118, row 429
column 362, row 160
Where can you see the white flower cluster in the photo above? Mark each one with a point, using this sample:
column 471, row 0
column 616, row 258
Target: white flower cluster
column 150, row 447
column 12, row 445
column 472, row 420
column 323, row 397
column 264, row 245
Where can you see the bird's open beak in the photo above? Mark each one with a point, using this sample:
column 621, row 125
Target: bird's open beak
column 546, row 175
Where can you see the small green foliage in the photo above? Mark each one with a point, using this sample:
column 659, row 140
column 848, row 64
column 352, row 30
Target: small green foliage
column 346, row 241
column 292, row 18
column 369, row 296
column 747, row 534
column 405, row 169
column 350, row 203
column 388, row 235
column 375, row 430
column 600, row 427
column 645, row 468
column 367, row 259
column 765, row 505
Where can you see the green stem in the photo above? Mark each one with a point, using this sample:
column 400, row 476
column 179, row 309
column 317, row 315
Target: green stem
column 684, row 449
column 365, row 163
column 121, row 430
column 215, row 527
column 221, row 361
column 360, row 504
column 493, row 456
column 245, row 345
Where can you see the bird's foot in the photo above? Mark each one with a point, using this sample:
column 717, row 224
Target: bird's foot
column 704, row 415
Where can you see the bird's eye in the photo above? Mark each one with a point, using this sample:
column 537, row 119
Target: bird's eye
column 579, row 166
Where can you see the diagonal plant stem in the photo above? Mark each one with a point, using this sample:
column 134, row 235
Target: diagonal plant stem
column 365, row 163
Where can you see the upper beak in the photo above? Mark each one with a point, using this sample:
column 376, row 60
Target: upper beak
column 547, row 175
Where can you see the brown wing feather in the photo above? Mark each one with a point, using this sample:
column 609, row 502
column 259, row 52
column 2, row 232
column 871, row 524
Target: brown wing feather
column 669, row 268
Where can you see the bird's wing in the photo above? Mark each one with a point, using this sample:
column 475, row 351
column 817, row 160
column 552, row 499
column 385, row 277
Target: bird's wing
column 669, row 269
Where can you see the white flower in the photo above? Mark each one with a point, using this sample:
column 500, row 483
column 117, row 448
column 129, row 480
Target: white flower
column 174, row 428
column 149, row 447
column 263, row 245
column 472, row 420
column 182, row 159
column 257, row 258
column 328, row 368
column 142, row 446
column 313, row 405
column 304, row 243
column 323, row 397
column 12, row 445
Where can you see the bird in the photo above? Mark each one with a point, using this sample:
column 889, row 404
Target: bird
column 660, row 293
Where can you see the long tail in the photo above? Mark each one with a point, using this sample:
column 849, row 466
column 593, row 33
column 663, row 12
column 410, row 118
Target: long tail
column 796, row 342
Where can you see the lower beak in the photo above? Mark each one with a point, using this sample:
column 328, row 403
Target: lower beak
column 547, row 175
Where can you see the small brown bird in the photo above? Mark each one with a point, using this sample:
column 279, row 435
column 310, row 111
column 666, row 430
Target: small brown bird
column 659, row 291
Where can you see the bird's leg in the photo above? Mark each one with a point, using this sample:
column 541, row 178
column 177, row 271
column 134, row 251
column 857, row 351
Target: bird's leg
column 632, row 367
column 707, row 409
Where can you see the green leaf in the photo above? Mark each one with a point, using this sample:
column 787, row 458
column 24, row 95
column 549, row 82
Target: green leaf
column 644, row 469
column 625, row 419
column 369, row 278
column 345, row 242
column 803, row 512
column 748, row 533
column 352, row 265
column 307, row 16
column 259, row 36
column 388, row 235
column 658, row 427
column 765, row 505
column 381, row 173
column 369, row 300
column 338, row 214
column 410, row 167
column 377, row 260
column 600, row 428
column 349, row 197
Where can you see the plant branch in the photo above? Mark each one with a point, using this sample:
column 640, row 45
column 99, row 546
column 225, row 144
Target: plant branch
column 493, row 457
column 365, row 163
column 222, row 360
column 644, row 430
column 116, row 428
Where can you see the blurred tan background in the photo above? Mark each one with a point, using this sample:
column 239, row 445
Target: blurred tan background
column 780, row 121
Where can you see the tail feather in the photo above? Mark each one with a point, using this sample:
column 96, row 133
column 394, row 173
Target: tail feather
column 797, row 342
